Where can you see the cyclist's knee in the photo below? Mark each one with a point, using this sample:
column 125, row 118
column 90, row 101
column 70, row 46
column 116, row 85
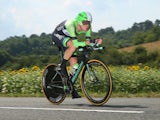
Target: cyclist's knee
column 71, row 46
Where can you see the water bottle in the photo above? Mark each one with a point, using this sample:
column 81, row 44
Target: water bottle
column 74, row 69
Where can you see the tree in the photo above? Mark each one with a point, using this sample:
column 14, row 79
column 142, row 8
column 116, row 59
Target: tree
column 138, row 38
column 142, row 26
column 108, row 30
column 5, row 57
column 140, row 55
column 157, row 23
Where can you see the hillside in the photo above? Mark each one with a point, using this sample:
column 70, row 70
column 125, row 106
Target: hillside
column 150, row 47
column 22, row 51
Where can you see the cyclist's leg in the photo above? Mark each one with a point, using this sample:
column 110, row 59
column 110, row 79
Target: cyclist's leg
column 75, row 94
column 72, row 61
column 70, row 50
column 58, row 40
column 67, row 55
column 66, row 46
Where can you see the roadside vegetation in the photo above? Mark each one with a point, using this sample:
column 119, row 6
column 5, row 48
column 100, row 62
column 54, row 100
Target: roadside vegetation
column 128, row 81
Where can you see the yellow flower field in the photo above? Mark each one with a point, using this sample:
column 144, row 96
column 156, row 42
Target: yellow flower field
column 127, row 79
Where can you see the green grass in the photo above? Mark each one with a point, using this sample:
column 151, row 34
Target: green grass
column 21, row 95
column 129, row 95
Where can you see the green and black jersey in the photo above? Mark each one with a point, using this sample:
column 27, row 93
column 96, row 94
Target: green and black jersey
column 67, row 30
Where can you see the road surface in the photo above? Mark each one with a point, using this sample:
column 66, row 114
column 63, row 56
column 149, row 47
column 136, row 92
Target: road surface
column 25, row 108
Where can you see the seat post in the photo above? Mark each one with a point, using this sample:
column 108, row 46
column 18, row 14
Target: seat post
column 61, row 51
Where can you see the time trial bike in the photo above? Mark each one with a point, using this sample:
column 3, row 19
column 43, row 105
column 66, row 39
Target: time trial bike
column 95, row 79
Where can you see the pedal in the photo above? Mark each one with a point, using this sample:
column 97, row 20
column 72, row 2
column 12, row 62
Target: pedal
column 66, row 89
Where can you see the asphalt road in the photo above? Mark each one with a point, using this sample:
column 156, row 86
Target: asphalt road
column 79, row 109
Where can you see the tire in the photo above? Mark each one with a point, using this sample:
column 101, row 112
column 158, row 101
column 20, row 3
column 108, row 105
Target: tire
column 98, row 90
column 53, row 89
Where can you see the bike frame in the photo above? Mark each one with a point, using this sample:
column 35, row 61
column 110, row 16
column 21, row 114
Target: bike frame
column 80, row 66
column 75, row 76
column 83, row 62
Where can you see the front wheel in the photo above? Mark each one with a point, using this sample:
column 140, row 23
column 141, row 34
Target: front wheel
column 96, row 82
column 52, row 85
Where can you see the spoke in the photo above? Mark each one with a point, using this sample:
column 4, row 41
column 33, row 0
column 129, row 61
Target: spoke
column 53, row 77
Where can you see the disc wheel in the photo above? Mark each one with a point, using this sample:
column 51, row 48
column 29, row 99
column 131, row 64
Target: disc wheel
column 52, row 85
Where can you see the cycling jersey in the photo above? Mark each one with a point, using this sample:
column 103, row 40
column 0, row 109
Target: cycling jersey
column 67, row 30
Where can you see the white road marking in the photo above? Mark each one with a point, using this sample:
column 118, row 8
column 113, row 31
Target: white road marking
column 68, row 109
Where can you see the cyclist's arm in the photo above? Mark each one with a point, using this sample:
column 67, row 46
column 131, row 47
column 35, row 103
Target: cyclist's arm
column 72, row 33
column 84, row 43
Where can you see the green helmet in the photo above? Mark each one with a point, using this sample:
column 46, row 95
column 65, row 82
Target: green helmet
column 83, row 16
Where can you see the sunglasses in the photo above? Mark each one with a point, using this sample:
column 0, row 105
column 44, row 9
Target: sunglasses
column 86, row 22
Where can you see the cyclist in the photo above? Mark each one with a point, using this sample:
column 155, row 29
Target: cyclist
column 65, row 37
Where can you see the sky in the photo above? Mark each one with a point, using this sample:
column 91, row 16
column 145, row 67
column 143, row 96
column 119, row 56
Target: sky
column 27, row 17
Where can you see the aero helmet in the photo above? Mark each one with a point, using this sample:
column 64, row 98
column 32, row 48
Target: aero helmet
column 84, row 16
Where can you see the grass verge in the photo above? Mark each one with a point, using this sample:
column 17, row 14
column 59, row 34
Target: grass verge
column 121, row 94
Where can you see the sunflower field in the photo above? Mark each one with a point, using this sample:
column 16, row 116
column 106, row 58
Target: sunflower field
column 126, row 79
column 136, row 79
column 22, row 81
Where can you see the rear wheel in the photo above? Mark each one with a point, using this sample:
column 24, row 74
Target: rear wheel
column 52, row 85
column 96, row 82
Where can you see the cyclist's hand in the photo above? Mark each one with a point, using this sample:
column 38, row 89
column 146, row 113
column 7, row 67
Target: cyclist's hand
column 87, row 42
column 98, row 41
